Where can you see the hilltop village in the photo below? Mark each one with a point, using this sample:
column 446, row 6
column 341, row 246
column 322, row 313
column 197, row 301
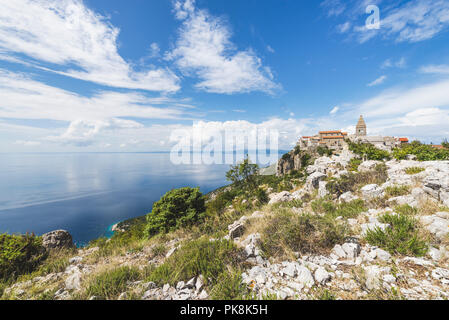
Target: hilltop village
column 335, row 140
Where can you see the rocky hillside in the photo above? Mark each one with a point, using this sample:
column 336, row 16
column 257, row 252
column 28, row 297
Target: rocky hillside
column 376, row 231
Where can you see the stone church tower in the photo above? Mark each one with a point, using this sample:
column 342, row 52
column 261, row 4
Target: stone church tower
column 360, row 130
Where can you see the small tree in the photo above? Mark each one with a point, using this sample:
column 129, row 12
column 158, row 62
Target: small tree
column 445, row 144
column 243, row 172
column 177, row 208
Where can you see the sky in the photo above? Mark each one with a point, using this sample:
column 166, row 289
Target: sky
column 122, row 76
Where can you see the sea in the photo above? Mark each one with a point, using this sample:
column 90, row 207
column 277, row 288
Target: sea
column 87, row 193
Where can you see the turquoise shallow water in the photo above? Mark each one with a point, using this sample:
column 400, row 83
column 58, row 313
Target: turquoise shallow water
column 88, row 193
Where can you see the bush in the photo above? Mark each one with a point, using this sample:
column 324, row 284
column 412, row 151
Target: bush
column 288, row 232
column 423, row 152
column 396, row 191
column 243, row 174
column 221, row 202
column 406, row 209
column 262, row 196
column 346, row 210
column 19, row 254
column 177, row 208
column 110, row 284
column 414, row 170
column 324, row 151
column 229, row 287
column 354, row 164
column 353, row 181
column 401, row 238
column 198, row 257
column 368, row 151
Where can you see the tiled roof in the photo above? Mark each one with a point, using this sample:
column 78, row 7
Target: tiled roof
column 403, row 139
column 339, row 131
column 333, row 137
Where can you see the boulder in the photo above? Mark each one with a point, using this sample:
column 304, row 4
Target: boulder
column 322, row 276
column 236, row 230
column 59, row 239
column 322, row 191
column 372, row 191
column 348, row 197
column 284, row 196
column 436, row 224
column 313, row 181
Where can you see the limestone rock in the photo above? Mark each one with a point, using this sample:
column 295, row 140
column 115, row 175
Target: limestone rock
column 322, row 276
column 284, row 196
column 372, row 191
column 59, row 239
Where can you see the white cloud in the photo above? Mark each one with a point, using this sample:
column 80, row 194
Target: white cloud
column 270, row 49
column 333, row 7
column 342, row 28
column 204, row 50
column 410, row 21
column 66, row 32
column 378, row 81
column 436, row 69
column 403, row 101
column 154, row 50
column 28, row 143
column 335, row 110
column 24, row 98
column 389, row 63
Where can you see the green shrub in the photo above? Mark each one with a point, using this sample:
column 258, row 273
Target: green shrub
column 423, row 152
column 368, row 151
column 262, row 196
column 346, row 210
column 396, row 191
column 414, row 170
column 229, row 286
column 110, row 284
column 406, row 210
column 19, row 254
column 244, row 174
column 353, row 181
column 401, row 238
column 287, row 231
column 177, row 208
column 221, row 202
column 324, row 151
column 197, row 257
column 354, row 164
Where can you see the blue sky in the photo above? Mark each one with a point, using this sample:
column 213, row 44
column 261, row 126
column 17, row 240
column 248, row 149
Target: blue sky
column 99, row 75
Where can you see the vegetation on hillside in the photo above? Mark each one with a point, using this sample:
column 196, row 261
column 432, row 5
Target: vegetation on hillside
column 368, row 151
column 423, row 152
column 177, row 208
column 19, row 254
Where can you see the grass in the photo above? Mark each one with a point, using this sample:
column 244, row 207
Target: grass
column 402, row 238
column 414, row 170
column 287, row 232
column 406, row 210
column 396, row 191
column 229, row 286
column 110, row 284
column 197, row 257
column 346, row 210
column 354, row 181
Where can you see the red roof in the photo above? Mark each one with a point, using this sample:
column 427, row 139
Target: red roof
column 438, row 147
column 403, row 139
column 339, row 131
column 333, row 137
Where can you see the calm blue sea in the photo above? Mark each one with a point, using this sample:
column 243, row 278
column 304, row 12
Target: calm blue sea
column 87, row 193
